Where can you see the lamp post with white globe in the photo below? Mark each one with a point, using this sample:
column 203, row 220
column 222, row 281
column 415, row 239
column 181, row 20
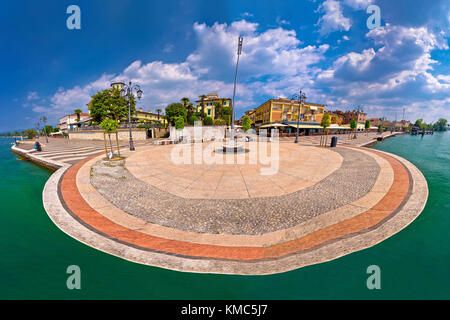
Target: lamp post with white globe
column 126, row 92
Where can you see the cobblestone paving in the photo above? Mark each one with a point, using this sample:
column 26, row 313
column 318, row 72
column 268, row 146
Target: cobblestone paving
column 353, row 180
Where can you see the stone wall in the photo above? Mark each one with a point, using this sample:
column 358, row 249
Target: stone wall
column 138, row 134
column 204, row 132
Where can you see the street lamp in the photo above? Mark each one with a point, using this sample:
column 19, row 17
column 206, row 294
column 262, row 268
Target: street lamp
column 302, row 98
column 126, row 92
column 239, row 52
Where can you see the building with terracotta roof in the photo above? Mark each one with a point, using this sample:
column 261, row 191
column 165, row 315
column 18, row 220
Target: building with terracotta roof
column 71, row 121
column 208, row 101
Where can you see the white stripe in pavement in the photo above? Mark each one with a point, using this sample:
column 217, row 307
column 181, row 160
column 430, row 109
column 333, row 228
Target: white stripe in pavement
column 69, row 155
column 69, row 152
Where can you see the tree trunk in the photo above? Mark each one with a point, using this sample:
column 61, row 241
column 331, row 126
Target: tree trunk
column 106, row 146
column 110, row 144
column 117, row 141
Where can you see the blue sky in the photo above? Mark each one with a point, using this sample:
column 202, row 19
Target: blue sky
column 187, row 48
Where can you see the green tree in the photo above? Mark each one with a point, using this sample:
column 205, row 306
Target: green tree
column 175, row 110
column 109, row 104
column 440, row 125
column 78, row 113
column 325, row 123
column 246, row 123
column 158, row 111
column 192, row 119
column 208, row 121
column 110, row 126
column 202, row 105
column 380, row 128
column 30, row 133
column 47, row 130
column 218, row 112
column 367, row 126
column 419, row 123
column 185, row 101
column 227, row 111
column 220, row 122
column 353, row 126
column 190, row 109
column 179, row 122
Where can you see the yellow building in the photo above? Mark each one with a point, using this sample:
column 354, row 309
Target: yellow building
column 336, row 118
column 287, row 110
column 117, row 85
column 251, row 114
column 208, row 104
column 149, row 116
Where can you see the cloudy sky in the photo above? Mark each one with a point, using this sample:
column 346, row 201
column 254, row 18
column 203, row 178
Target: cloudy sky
column 178, row 48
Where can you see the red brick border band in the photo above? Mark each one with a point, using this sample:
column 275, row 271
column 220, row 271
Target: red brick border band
column 385, row 209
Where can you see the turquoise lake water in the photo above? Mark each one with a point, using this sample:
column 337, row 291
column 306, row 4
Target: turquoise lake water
column 35, row 253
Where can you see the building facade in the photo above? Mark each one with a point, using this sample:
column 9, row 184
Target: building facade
column 336, row 118
column 144, row 116
column 208, row 104
column 71, row 121
column 348, row 116
column 117, row 85
column 287, row 110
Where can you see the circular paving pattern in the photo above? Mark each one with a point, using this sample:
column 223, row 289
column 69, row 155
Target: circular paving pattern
column 320, row 190
column 356, row 199
column 232, row 176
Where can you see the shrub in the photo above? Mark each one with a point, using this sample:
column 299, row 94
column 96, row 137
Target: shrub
column 208, row 121
column 246, row 123
column 179, row 123
column 220, row 122
column 30, row 133
column 192, row 119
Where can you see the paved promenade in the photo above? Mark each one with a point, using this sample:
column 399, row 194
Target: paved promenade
column 362, row 139
column 321, row 204
column 60, row 151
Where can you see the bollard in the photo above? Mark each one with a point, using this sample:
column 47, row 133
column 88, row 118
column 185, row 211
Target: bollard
column 334, row 142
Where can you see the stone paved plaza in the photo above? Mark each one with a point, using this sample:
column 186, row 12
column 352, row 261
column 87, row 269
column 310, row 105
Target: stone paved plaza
column 320, row 204
column 235, row 199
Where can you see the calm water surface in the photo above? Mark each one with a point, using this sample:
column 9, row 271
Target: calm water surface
column 35, row 253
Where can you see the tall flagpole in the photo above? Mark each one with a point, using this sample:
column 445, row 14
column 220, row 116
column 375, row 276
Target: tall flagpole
column 239, row 52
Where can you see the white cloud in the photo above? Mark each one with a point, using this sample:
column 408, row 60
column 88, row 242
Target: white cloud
column 358, row 4
column 32, row 95
column 282, row 21
column 444, row 78
column 333, row 18
column 168, row 48
column 275, row 55
column 395, row 74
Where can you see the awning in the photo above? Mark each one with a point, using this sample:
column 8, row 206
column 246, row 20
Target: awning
column 305, row 126
column 272, row 125
column 337, row 127
column 312, row 108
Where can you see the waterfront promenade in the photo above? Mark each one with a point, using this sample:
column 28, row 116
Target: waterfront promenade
column 321, row 203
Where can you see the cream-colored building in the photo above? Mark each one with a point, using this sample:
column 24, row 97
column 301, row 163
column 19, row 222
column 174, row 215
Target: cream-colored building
column 147, row 116
column 208, row 104
column 70, row 121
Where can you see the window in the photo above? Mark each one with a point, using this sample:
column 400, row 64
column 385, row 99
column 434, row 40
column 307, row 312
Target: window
column 209, row 112
column 224, row 103
column 277, row 107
